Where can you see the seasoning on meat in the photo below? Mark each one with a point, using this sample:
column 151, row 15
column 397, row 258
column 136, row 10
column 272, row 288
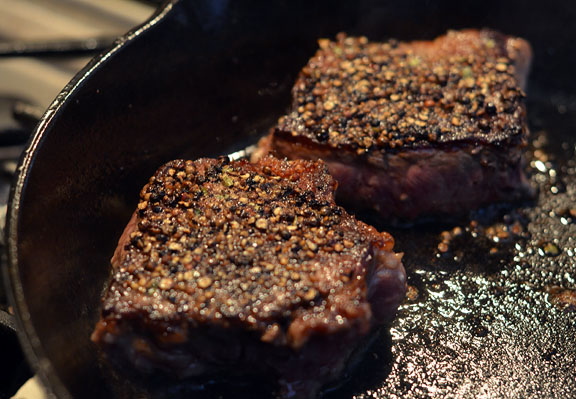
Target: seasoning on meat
column 413, row 129
column 228, row 266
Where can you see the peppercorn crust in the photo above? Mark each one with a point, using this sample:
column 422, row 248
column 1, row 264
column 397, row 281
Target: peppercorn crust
column 369, row 97
column 258, row 247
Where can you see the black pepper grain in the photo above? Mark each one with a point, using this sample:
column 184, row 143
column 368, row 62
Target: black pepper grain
column 244, row 243
column 361, row 89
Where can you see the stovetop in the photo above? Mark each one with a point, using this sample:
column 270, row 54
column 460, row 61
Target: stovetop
column 42, row 45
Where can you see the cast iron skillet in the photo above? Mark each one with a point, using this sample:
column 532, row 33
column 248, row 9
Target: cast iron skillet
column 206, row 77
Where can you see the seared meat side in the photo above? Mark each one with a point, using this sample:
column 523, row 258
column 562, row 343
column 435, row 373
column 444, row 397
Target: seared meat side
column 413, row 129
column 239, row 268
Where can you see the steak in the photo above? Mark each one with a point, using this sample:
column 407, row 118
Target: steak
column 417, row 129
column 234, row 268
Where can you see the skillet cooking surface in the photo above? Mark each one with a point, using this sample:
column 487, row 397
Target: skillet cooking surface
column 205, row 78
column 490, row 316
column 492, row 323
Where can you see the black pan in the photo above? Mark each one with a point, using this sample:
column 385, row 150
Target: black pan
column 204, row 78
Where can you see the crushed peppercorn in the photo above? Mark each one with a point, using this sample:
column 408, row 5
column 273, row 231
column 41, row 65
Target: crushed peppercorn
column 387, row 96
column 252, row 245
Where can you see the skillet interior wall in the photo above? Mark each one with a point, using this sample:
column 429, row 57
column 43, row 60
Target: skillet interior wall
column 204, row 81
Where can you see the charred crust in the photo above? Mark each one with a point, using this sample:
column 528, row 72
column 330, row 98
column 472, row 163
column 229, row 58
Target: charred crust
column 236, row 244
column 363, row 96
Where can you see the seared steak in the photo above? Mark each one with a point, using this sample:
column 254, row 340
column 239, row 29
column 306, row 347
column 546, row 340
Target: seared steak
column 413, row 129
column 239, row 268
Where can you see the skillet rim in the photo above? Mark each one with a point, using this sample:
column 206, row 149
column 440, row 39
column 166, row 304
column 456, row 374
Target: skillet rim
column 29, row 340
column 41, row 144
